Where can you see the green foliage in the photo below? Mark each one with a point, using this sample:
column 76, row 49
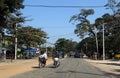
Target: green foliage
column 31, row 36
column 65, row 45
column 8, row 8
column 87, row 45
column 112, row 26
column 83, row 25
column 8, row 12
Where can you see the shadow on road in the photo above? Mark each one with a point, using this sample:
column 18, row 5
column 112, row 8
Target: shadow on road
column 36, row 67
column 117, row 70
column 50, row 66
column 71, row 71
column 115, row 75
column 109, row 74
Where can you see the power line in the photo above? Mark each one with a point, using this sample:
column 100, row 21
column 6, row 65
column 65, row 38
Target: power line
column 48, row 6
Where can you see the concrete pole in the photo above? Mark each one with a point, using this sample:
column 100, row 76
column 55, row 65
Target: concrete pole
column 46, row 47
column 103, row 42
column 96, row 39
column 16, row 42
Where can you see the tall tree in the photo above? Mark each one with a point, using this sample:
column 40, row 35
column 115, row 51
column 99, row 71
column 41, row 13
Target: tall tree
column 8, row 8
column 83, row 26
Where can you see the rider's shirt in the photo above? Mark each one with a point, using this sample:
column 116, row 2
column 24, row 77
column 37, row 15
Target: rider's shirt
column 44, row 56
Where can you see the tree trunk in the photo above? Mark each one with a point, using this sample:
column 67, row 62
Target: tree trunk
column 1, row 53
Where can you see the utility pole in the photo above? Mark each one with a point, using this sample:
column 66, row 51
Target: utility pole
column 96, row 42
column 46, row 47
column 16, row 42
column 103, row 41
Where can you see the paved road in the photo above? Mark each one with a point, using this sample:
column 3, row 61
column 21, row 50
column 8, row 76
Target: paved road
column 69, row 68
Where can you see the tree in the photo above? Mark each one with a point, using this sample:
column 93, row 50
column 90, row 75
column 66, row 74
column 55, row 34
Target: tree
column 8, row 8
column 87, row 46
column 111, row 32
column 83, row 27
column 31, row 36
column 114, row 6
column 114, row 23
column 65, row 45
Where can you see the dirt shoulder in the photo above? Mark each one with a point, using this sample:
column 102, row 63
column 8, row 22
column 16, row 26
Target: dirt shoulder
column 109, row 66
column 8, row 69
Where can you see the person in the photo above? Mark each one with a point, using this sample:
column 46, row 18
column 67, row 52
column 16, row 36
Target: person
column 55, row 57
column 46, row 57
column 43, row 58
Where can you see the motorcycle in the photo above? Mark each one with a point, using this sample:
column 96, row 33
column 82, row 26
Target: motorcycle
column 56, row 62
column 41, row 62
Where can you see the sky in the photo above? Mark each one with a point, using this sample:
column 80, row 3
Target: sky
column 55, row 21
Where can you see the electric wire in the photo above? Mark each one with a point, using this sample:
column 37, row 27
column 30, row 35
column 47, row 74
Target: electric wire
column 48, row 6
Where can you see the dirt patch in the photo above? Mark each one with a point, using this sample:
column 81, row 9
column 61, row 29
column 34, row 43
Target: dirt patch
column 17, row 67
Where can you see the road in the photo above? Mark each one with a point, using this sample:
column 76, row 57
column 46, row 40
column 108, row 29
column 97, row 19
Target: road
column 69, row 68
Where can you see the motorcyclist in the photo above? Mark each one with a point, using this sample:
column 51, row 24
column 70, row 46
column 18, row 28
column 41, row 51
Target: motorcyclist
column 56, row 57
column 43, row 58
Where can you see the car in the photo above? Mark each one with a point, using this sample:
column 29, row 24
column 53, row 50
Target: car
column 77, row 55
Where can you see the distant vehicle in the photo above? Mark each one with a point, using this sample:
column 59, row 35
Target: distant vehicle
column 77, row 55
column 117, row 56
column 72, row 54
column 10, row 52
